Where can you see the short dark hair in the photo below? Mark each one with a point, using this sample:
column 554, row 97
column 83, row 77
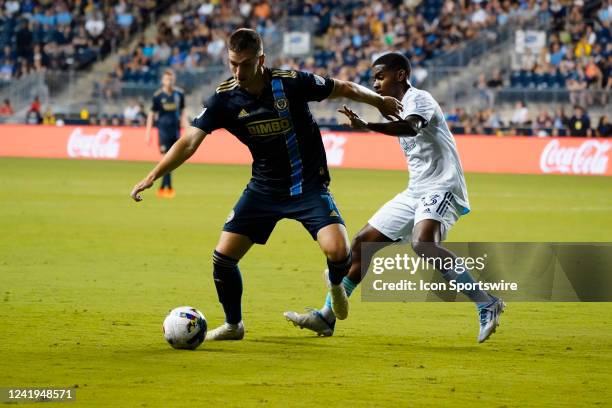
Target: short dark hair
column 245, row 39
column 395, row 61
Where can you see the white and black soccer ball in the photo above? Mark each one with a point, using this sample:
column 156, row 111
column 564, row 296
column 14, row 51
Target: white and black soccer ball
column 185, row 328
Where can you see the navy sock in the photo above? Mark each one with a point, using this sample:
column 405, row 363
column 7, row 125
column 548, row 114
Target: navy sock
column 166, row 181
column 228, row 282
column 338, row 270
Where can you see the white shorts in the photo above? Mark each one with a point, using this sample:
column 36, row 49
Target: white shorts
column 397, row 217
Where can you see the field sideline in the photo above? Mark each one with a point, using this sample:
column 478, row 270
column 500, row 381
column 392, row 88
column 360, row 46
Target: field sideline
column 87, row 276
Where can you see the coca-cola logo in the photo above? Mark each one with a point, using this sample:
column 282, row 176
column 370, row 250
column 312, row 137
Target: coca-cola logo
column 591, row 157
column 334, row 148
column 102, row 145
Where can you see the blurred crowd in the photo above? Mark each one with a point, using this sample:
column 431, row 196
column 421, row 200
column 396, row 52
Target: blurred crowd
column 523, row 121
column 63, row 34
column 348, row 34
column 577, row 55
column 351, row 34
column 193, row 35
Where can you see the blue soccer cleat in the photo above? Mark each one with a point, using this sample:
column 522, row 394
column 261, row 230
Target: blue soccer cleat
column 489, row 318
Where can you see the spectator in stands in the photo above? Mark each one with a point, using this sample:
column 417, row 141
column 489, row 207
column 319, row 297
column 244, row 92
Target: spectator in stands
column 560, row 121
column 48, row 117
column 496, row 81
column 520, row 116
column 24, row 40
column 141, row 118
column 177, row 58
column 484, row 94
column 125, row 18
column 215, row 47
column 40, row 59
column 543, row 123
column 556, row 54
column 192, row 60
column 84, row 114
column 11, row 7
column 576, row 84
column 111, row 86
column 95, row 24
column 579, row 123
column 494, row 121
column 6, row 109
column 6, row 69
column 35, row 106
column 262, row 10
column 131, row 112
column 33, row 117
column 604, row 128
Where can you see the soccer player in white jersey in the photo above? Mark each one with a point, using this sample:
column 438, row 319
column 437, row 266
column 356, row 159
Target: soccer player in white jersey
column 422, row 214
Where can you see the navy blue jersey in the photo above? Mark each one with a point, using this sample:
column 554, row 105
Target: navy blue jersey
column 277, row 127
column 168, row 107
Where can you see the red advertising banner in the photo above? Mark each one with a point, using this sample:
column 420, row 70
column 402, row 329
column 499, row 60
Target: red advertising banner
column 482, row 154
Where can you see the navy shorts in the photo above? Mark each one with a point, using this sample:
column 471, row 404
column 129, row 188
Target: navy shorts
column 255, row 215
column 167, row 137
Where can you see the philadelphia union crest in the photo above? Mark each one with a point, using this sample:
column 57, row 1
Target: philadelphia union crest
column 281, row 104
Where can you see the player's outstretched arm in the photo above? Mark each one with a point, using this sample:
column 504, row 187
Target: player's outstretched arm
column 387, row 105
column 182, row 150
column 410, row 126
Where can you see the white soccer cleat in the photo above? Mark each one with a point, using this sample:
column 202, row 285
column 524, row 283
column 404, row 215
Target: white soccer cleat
column 226, row 332
column 313, row 320
column 489, row 318
column 339, row 299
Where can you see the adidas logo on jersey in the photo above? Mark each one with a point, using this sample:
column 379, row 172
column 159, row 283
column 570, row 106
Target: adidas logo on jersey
column 428, row 210
column 334, row 213
column 243, row 114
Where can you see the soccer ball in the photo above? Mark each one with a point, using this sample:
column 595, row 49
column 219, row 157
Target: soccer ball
column 185, row 328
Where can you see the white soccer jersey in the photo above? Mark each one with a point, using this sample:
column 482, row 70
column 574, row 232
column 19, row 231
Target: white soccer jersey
column 431, row 155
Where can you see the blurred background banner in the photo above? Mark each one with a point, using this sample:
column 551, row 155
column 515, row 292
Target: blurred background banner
column 481, row 154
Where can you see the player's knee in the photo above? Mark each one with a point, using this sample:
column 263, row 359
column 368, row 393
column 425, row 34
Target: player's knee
column 422, row 246
column 337, row 251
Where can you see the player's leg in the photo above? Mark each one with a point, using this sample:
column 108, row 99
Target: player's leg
column 368, row 234
column 167, row 138
column 228, row 281
column 390, row 223
column 333, row 241
column 249, row 222
column 433, row 219
column 323, row 321
column 426, row 242
column 318, row 213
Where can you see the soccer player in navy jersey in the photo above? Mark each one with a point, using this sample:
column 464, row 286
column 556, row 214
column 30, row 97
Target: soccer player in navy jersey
column 168, row 108
column 267, row 110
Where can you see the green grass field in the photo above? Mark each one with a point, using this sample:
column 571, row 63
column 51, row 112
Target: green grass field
column 87, row 276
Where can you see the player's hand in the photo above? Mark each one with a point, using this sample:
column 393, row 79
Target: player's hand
column 356, row 121
column 391, row 108
column 140, row 187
